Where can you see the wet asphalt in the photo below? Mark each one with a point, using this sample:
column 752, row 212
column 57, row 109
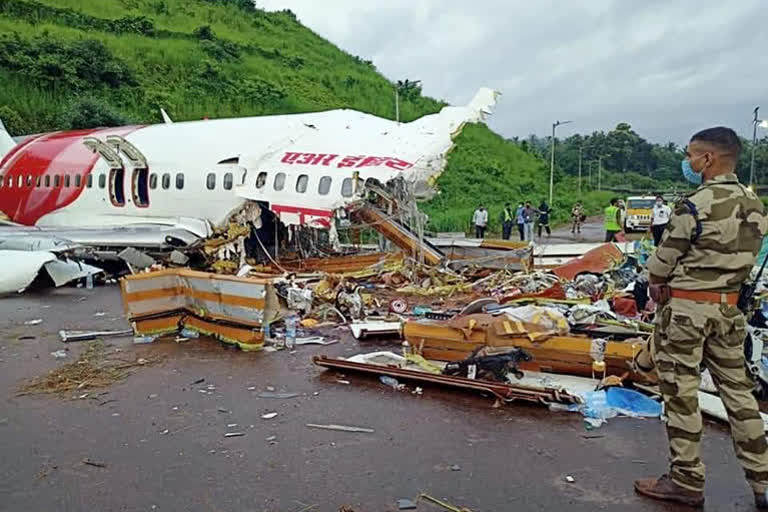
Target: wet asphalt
column 162, row 442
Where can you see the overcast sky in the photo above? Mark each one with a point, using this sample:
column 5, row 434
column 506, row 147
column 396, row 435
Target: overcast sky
column 666, row 67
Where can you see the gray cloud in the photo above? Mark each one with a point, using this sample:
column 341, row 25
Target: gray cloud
column 667, row 68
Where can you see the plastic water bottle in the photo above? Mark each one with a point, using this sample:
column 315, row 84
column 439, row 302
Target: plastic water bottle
column 266, row 332
column 290, row 331
column 391, row 382
column 89, row 281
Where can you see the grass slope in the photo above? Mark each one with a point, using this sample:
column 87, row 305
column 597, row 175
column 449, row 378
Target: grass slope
column 195, row 58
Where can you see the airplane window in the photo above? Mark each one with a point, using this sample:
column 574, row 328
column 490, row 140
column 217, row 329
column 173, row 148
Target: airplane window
column 324, row 186
column 166, row 181
column 228, row 181
column 89, row 181
column 301, row 183
column 210, row 181
column 29, row 180
column 279, row 181
column 57, row 180
column 66, row 180
column 21, row 181
column 261, row 179
column 37, row 183
column 48, row 180
column 346, row 187
column 179, row 181
column 102, row 180
column 78, row 180
column 1, row 181
column 153, row 181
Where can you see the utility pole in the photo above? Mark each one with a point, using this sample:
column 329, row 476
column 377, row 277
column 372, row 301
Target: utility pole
column 397, row 105
column 552, row 161
column 754, row 143
column 580, row 150
column 600, row 172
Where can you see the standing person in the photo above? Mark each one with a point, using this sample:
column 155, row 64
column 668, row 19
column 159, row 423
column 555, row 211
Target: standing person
column 544, row 211
column 622, row 214
column 521, row 221
column 695, row 274
column 612, row 220
column 480, row 220
column 507, row 219
column 529, row 215
column 659, row 219
column 576, row 218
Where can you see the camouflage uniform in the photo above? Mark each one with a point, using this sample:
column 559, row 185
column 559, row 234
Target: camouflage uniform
column 689, row 332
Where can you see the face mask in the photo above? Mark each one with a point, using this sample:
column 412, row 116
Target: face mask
column 689, row 174
column 658, row 203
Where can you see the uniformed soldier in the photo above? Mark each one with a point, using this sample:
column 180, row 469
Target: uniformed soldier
column 706, row 253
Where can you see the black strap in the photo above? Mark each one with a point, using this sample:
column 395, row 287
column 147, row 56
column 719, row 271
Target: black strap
column 695, row 212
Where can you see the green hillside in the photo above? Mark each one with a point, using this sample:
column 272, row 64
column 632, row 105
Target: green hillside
column 81, row 63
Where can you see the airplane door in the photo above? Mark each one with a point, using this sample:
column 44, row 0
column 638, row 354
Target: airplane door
column 139, row 175
column 140, row 187
column 117, row 186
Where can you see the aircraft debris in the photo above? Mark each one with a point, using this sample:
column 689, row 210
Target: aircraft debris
column 70, row 336
column 342, row 428
column 136, row 259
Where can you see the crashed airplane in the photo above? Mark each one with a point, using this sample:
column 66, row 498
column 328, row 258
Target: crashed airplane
column 170, row 185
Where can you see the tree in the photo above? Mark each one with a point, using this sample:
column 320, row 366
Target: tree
column 90, row 113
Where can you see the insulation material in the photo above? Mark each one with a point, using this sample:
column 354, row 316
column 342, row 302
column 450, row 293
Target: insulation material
column 534, row 321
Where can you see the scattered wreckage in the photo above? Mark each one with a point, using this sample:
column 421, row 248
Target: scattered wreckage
column 566, row 335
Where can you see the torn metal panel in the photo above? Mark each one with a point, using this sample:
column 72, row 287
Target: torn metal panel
column 362, row 329
column 136, row 259
column 20, row 268
column 240, row 300
column 504, row 391
column 229, row 308
column 66, row 271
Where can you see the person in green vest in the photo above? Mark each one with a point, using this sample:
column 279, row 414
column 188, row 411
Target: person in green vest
column 612, row 220
column 507, row 219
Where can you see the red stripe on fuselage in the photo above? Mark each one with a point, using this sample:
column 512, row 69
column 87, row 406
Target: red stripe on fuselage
column 60, row 154
column 324, row 215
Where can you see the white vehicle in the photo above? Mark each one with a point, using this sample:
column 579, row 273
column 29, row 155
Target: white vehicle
column 639, row 213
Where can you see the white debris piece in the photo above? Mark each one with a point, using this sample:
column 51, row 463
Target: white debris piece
column 20, row 268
